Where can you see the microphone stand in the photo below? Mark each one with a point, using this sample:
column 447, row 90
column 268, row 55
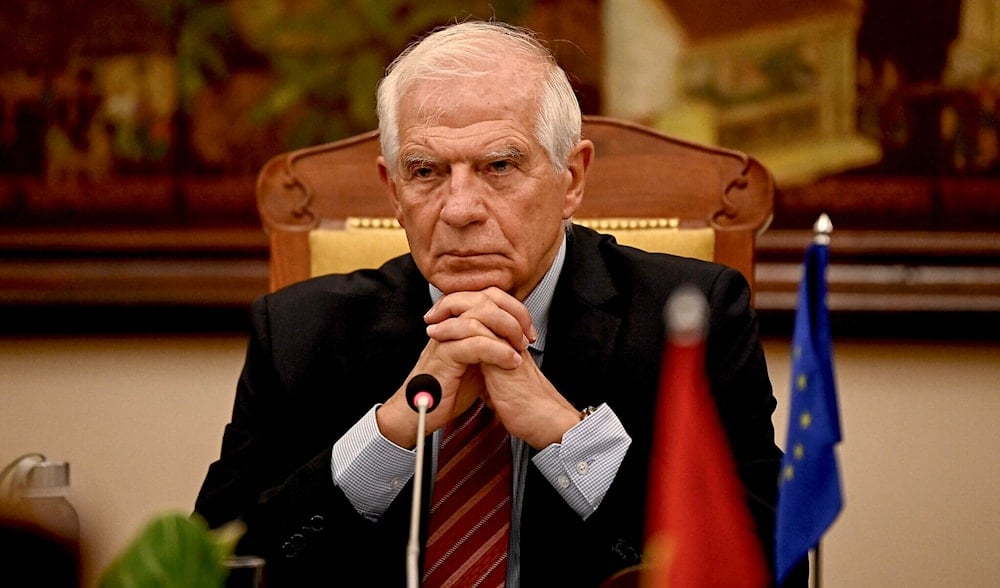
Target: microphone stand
column 413, row 547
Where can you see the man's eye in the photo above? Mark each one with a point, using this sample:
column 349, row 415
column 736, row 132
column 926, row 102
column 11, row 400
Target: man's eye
column 501, row 166
column 421, row 172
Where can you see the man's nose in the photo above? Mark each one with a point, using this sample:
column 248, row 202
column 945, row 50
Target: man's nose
column 463, row 200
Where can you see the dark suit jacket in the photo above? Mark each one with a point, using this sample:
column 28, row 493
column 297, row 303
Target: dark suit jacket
column 323, row 351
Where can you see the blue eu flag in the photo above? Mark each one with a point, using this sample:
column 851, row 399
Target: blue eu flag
column 809, row 495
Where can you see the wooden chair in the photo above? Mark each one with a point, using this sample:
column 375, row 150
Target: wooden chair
column 650, row 190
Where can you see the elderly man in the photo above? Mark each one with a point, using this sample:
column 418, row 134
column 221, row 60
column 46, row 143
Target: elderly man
column 546, row 335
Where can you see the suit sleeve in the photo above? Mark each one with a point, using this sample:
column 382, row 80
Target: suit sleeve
column 266, row 477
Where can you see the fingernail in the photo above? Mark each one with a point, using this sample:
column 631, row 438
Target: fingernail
column 533, row 333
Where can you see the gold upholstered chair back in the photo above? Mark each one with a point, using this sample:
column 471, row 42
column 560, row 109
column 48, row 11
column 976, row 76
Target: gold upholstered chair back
column 325, row 209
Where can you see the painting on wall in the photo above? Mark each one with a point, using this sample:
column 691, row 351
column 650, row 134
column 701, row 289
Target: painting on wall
column 933, row 105
column 815, row 87
column 887, row 115
column 152, row 112
column 772, row 78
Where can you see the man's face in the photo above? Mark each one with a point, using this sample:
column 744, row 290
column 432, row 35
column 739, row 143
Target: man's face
column 479, row 199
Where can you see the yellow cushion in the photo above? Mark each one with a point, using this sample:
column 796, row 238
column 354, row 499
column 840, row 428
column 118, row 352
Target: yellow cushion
column 368, row 243
column 338, row 251
column 658, row 236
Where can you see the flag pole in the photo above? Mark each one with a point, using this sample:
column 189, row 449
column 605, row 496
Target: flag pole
column 816, row 565
column 822, row 229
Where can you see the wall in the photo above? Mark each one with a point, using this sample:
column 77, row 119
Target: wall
column 140, row 418
column 919, row 463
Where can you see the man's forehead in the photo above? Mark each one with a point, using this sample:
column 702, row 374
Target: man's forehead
column 502, row 85
column 492, row 138
column 472, row 116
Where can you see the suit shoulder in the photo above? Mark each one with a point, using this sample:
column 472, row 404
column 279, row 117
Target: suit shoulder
column 394, row 279
column 657, row 266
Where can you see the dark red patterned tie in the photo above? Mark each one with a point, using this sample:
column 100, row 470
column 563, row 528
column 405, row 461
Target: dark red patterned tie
column 470, row 507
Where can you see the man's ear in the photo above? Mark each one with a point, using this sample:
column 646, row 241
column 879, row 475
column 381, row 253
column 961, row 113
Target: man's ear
column 390, row 188
column 576, row 168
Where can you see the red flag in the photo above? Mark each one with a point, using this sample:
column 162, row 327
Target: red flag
column 699, row 532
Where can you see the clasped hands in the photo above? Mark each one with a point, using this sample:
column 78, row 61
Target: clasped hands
column 478, row 347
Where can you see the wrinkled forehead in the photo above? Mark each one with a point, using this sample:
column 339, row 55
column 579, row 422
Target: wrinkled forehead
column 503, row 91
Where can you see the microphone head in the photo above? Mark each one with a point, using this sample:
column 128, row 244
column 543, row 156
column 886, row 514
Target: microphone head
column 426, row 386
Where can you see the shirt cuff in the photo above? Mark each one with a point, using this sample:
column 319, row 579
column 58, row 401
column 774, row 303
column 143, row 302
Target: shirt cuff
column 370, row 469
column 583, row 466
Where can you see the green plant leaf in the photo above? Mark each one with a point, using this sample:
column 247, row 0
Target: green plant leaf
column 174, row 549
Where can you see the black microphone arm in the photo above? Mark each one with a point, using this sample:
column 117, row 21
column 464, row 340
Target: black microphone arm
column 423, row 393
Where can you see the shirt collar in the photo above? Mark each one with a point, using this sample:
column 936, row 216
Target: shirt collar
column 539, row 301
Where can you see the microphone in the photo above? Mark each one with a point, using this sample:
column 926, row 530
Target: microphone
column 423, row 386
column 423, row 393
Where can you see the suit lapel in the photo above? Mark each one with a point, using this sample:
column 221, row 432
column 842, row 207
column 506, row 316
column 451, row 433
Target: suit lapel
column 582, row 331
column 398, row 321
column 579, row 349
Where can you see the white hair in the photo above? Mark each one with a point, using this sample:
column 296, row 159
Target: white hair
column 468, row 50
